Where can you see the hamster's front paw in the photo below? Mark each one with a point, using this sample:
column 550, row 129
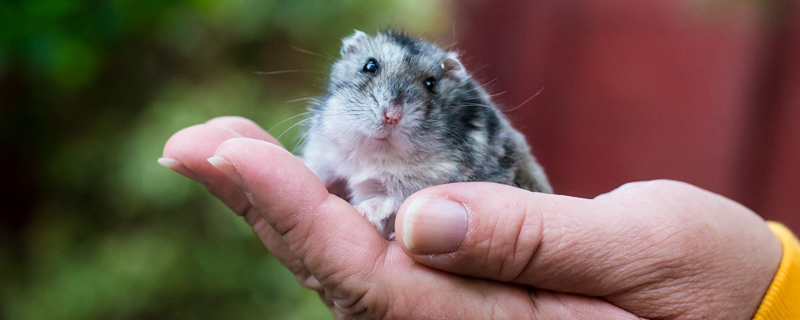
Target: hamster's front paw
column 376, row 210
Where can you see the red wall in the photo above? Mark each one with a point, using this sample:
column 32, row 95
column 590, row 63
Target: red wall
column 698, row 91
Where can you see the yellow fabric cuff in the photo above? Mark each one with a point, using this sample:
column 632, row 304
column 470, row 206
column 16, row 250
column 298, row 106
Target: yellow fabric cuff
column 782, row 301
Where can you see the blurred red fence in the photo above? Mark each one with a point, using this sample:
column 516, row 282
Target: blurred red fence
column 700, row 91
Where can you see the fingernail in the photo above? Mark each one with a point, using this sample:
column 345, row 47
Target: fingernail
column 434, row 225
column 181, row 168
column 169, row 163
column 229, row 171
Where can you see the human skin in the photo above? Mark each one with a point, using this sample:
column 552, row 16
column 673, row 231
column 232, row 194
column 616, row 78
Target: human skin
column 656, row 250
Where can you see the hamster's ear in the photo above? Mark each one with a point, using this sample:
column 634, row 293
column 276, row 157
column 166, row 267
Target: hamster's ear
column 352, row 43
column 453, row 68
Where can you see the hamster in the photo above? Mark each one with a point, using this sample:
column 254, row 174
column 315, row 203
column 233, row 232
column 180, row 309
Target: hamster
column 401, row 115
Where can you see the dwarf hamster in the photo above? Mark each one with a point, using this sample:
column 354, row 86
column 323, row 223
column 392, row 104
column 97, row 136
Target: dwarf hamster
column 400, row 115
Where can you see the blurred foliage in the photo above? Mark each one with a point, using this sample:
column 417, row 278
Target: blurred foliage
column 89, row 93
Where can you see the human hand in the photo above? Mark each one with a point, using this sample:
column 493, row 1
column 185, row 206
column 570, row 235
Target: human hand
column 658, row 249
column 330, row 248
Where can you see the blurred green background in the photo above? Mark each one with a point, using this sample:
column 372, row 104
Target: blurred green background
column 90, row 91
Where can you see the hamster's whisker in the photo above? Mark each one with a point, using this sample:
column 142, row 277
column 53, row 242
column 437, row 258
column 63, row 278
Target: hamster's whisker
column 488, row 82
column 459, row 147
column 453, row 42
column 290, row 118
column 302, row 141
column 298, row 49
column 479, row 68
column 345, row 112
column 490, row 108
column 312, row 99
column 483, row 85
column 453, row 131
column 526, row 101
column 290, row 128
column 361, row 13
column 270, row 73
column 450, row 46
column 497, row 94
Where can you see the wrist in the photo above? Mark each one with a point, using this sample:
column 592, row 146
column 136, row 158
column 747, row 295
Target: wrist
column 780, row 301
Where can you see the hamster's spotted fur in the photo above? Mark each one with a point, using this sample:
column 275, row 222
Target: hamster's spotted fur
column 400, row 115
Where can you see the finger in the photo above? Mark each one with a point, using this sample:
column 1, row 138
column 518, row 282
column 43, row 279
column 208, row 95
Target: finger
column 188, row 150
column 192, row 147
column 553, row 305
column 249, row 129
column 322, row 230
column 179, row 167
column 541, row 240
column 244, row 127
column 428, row 295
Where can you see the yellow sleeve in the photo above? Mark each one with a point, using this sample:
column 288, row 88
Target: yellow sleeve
column 782, row 301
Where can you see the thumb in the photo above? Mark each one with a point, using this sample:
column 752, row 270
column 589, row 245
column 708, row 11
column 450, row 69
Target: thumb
column 659, row 249
column 547, row 241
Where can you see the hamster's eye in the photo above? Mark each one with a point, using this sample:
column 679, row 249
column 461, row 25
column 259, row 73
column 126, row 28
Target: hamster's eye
column 430, row 84
column 371, row 66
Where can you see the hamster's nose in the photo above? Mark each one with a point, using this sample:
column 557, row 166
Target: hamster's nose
column 392, row 115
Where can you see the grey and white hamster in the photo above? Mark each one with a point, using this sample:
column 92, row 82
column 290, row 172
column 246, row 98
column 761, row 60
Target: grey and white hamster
column 401, row 115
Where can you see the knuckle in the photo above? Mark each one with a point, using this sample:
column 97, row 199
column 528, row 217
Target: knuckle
column 233, row 145
column 514, row 234
column 234, row 198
